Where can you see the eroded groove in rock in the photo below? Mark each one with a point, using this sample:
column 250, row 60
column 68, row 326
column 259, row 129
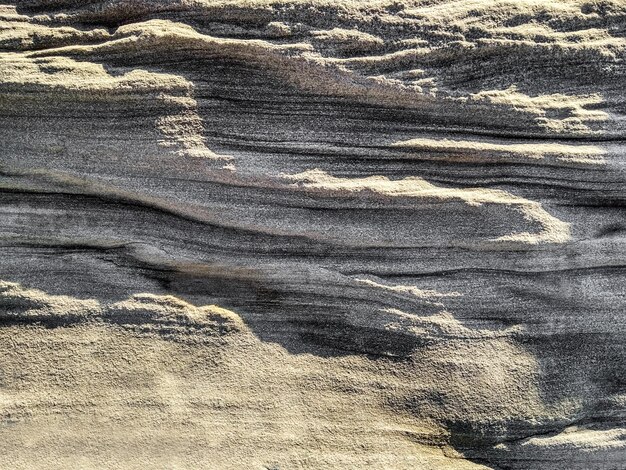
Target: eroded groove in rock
column 312, row 234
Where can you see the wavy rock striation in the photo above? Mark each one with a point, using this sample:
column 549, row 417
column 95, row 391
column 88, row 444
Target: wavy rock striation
column 312, row 234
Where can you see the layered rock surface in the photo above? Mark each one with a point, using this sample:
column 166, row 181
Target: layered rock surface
column 312, row 234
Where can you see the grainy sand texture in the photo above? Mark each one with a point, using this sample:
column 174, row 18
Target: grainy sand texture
column 313, row 234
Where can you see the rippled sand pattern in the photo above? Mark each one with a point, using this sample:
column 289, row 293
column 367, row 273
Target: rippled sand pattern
column 313, row 234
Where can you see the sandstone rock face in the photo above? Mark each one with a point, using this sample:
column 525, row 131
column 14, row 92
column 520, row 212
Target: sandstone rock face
column 258, row 234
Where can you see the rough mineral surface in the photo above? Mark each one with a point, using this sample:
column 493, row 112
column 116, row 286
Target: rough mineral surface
column 313, row 234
